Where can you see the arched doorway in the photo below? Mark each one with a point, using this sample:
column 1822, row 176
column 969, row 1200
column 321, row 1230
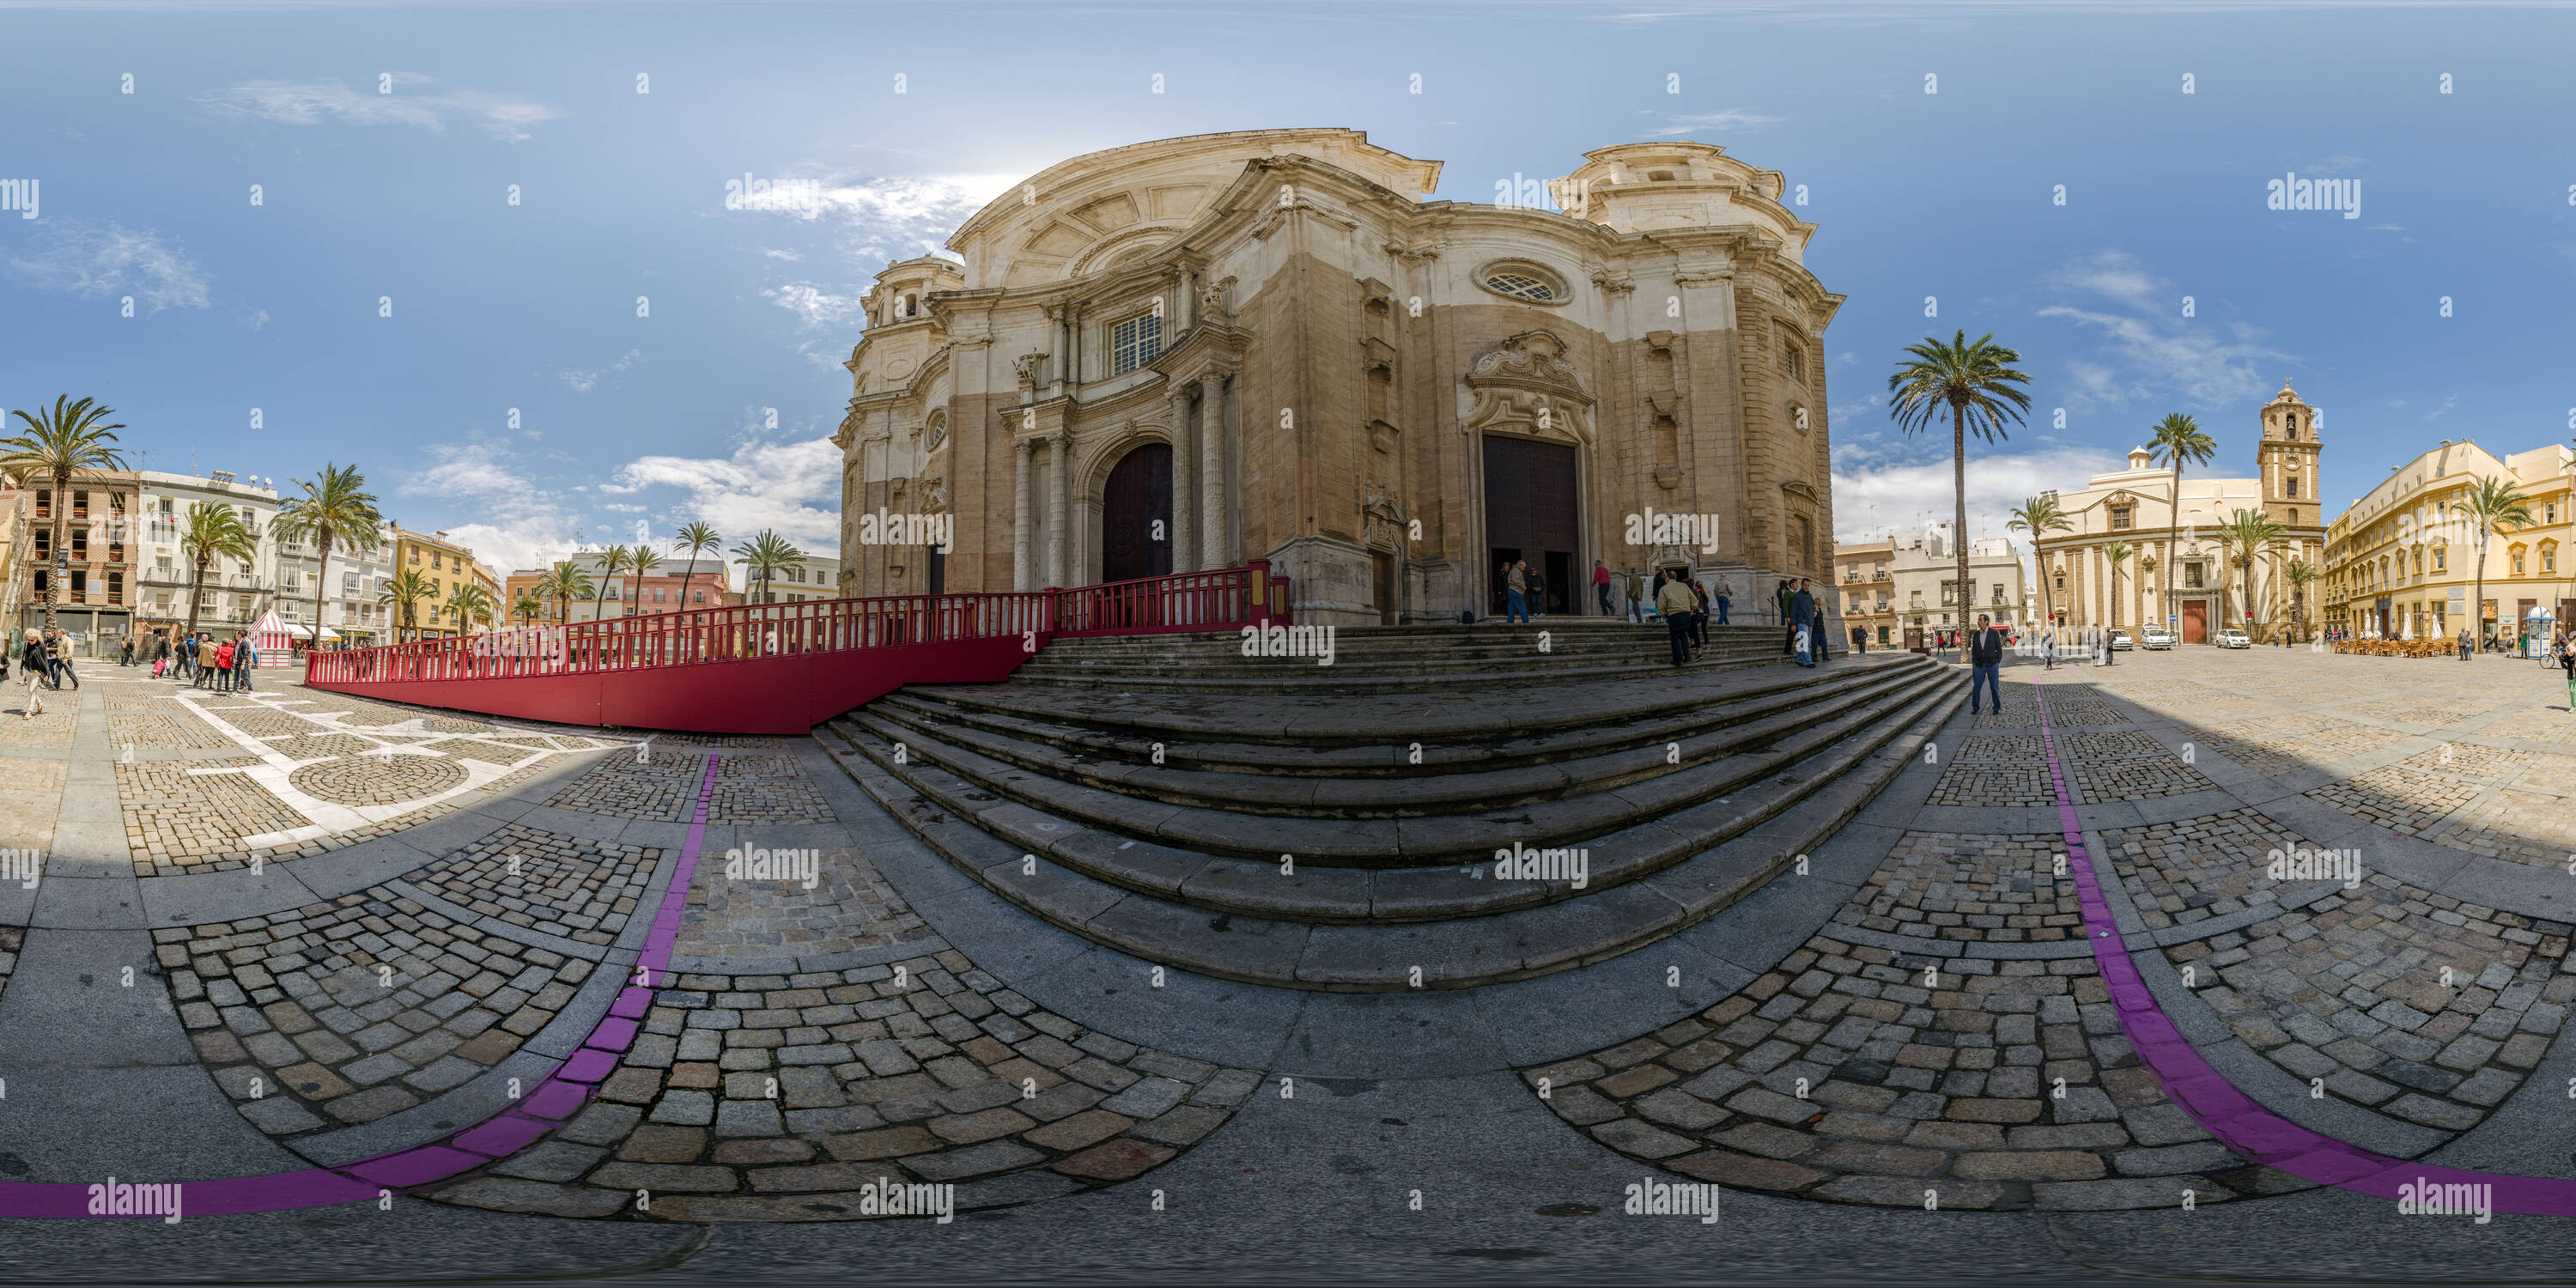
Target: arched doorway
column 1530, row 517
column 1136, row 515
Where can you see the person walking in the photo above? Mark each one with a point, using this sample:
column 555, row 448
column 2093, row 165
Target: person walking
column 126, row 657
column 244, row 658
column 1601, row 586
column 1516, row 592
column 1699, row 615
column 1537, row 578
column 1635, row 587
column 1725, row 597
column 1787, row 592
column 62, row 659
column 31, row 667
column 1860, row 640
column 1816, row 631
column 1674, row 600
column 2567, row 662
column 1985, row 666
column 2464, row 644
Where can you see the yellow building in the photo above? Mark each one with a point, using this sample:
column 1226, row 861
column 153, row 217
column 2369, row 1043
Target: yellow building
column 445, row 565
column 2400, row 563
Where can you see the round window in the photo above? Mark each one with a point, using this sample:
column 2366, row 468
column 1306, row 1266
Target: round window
column 1523, row 282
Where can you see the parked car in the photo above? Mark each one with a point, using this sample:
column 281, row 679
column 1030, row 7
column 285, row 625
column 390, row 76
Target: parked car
column 2119, row 641
column 2234, row 638
column 2157, row 637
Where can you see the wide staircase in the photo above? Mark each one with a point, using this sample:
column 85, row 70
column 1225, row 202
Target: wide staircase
column 1337, row 826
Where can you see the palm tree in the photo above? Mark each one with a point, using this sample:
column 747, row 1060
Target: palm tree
column 527, row 607
column 765, row 556
column 693, row 539
column 467, row 604
column 2490, row 503
column 563, row 585
column 63, row 446
column 643, row 560
column 2301, row 574
column 212, row 530
column 335, row 504
column 2245, row 534
column 1975, row 381
column 2039, row 516
column 402, row 590
column 2112, row 554
column 612, row 561
column 2178, row 438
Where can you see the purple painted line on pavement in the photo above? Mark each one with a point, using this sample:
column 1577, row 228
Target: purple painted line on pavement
column 2213, row 1101
column 494, row 1138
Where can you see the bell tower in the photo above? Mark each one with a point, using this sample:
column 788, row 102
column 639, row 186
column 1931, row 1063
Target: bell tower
column 2287, row 461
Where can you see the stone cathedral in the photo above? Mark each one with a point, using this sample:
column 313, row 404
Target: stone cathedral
column 1267, row 344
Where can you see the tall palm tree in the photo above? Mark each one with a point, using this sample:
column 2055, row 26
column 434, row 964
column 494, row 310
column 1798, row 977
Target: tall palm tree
column 2112, row 554
column 62, row 446
column 643, row 559
column 766, row 556
column 564, row 584
column 2245, row 534
column 694, row 539
column 335, row 504
column 2490, row 503
column 467, row 604
column 2039, row 516
column 2178, row 439
column 527, row 607
column 213, row 530
column 612, row 561
column 1975, row 381
column 2301, row 574
column 403, row 590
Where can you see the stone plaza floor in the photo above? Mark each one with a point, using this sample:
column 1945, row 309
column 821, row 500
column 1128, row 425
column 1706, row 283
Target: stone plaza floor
column 288, row 931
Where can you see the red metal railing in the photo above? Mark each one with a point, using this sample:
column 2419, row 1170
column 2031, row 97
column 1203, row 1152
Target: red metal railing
column 1214, row 600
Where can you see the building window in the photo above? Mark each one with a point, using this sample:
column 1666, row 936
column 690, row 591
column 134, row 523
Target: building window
column 2441, row 559
column 2290, row 486
column 1135, row 342
column 2517, row 561
column 1519, row 285
column 1793, row 357
column 2191, row 575
column 2124, row 518
column 2549, row 559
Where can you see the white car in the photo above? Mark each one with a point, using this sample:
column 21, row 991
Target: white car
column 2157, row 637
column 2234, row 638
column 2119, row 641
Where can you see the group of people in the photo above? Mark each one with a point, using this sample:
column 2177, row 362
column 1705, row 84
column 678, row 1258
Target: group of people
column 42, row 657
column 205, row 662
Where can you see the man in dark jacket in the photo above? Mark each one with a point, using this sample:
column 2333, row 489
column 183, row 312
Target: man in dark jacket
column 1802, row 623
column 1985, row 664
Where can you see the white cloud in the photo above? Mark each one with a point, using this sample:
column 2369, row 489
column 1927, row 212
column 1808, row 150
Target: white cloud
column 1870, row 499
column 2448, row 402
column 411, row 103
column 516, row 543
column 1676, row 123
column 815, row 306
column 782, row 254
column 2151, row 354
column 583, row 382
column 466, row 469
column 257, row 319
column 101, row 260
column 901, row 216
column 793, row 487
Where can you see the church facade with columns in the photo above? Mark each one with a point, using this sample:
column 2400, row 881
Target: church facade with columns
column 1197, row 352
column 2133, row 513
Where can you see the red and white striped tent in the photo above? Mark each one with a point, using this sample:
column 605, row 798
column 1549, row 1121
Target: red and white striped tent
column 273, row 640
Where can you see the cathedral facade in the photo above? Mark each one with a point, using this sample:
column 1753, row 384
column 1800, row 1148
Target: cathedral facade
column 1197, row 352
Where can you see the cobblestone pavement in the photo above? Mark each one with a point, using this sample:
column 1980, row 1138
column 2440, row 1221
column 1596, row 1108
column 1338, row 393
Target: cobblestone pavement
column 1942, row 1035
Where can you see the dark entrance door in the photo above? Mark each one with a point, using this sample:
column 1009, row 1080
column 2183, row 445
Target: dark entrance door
column 1136, row 515
column 1382, row 576
column 937, row 582
column 1530, row 514
column 2195, row 621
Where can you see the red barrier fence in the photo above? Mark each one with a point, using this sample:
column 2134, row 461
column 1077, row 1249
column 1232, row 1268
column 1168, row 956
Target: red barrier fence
column 780, row 668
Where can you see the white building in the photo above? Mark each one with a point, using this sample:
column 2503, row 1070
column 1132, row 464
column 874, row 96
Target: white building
column 233, row 594
column 360, row 565
column 1926, row 574
column 814, row 577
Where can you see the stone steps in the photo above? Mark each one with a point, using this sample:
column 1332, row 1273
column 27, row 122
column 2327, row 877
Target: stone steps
column 1383, row 929
column 1387, row 659
column 1072, row 778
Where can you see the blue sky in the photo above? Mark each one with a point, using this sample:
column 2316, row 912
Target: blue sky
column 626, row 420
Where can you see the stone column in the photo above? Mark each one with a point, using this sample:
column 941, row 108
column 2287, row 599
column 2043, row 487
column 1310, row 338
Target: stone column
column 1217, row 547
column 1059, row 507
column 1184, row 528
column 1023, row 548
